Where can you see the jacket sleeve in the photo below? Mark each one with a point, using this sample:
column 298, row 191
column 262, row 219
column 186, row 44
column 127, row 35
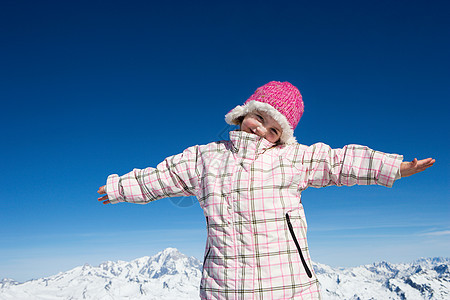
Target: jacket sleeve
column 177, row 175
column 353, row 164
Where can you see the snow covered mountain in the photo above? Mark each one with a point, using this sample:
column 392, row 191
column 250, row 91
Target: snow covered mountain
column 172, row 275
column 167, row 275
column 422, row 279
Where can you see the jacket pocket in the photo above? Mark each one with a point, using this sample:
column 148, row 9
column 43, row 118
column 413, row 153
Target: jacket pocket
column 207, row 244
column 206, row 256
column 291, row 230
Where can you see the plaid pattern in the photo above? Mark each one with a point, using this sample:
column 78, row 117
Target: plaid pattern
column 250, row 190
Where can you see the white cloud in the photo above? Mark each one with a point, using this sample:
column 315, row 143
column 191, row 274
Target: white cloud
column 436, row 233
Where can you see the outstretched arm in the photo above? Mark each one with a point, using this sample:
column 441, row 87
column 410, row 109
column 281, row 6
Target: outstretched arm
column 176, row 176
column 353, row 164
column 415, row 166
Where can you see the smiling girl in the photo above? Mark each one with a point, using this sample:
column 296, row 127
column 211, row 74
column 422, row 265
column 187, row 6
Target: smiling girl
column 250, row 191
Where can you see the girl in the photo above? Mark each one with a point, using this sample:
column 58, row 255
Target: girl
column 250, row 191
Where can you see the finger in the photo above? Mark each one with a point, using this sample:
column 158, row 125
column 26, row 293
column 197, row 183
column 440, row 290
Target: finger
column 423, row 168
column 432, row 160
column 103, row 198
column 426, row 162
column 411, row 164
column 101, row 190
column 107, row 202
column 427, row 166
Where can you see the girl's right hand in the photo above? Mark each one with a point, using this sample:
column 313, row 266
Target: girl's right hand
column 101, row 191
column 415, row 166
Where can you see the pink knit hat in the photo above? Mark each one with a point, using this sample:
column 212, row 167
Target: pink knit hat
column 281, row 100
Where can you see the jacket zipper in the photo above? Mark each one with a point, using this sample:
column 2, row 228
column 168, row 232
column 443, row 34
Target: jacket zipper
column 291, row 229
column 207, row 253
column 209, row 248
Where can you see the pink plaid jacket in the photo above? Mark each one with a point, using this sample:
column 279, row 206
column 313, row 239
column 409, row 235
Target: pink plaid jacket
column 249, row 190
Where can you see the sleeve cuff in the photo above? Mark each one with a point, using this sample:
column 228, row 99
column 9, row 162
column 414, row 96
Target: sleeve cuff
column 113, row 189
column 390, row 171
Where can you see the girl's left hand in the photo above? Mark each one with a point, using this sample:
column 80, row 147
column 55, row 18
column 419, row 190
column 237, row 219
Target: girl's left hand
column 101, row 190
column 415, row 166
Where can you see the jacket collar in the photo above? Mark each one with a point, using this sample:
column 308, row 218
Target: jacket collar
column 249, row 144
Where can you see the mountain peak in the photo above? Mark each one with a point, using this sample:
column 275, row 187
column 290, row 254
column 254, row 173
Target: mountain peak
column 169, row 274
column 7, row 282
column 170, row 250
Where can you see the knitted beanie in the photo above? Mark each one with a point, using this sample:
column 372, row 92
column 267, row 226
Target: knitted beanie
column 281, row 100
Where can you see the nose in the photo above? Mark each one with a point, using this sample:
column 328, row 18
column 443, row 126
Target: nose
column 260, row 130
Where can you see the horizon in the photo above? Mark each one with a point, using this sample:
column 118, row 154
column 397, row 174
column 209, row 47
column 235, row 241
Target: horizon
column 90, row 89
column 170, row 274
column 199, row 260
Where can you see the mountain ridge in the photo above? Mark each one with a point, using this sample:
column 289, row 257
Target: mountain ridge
column 170, row 274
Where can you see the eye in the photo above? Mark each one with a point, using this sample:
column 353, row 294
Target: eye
column 259, row 117
column 274, row 131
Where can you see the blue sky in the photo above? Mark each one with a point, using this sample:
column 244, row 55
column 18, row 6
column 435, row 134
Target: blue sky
column 91, row 88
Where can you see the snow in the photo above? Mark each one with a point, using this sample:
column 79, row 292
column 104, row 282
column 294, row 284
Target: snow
column 422, row 279
column 171, row 275
column 167, row 275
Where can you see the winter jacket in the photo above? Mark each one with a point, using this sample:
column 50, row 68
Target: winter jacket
column 249, row 190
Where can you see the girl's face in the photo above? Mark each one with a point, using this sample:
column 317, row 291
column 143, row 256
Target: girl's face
column 263, row 125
